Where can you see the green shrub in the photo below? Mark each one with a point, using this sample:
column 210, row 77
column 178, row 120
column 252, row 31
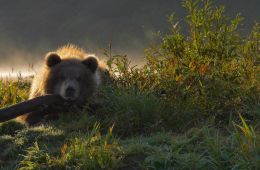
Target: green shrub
column 211, row 70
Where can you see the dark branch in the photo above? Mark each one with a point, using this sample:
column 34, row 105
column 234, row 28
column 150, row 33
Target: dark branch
column 42, row 102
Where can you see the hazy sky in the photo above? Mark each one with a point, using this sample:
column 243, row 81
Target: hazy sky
column 30, row 28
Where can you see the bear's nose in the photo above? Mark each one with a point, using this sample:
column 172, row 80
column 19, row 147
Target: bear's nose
column 70, row 92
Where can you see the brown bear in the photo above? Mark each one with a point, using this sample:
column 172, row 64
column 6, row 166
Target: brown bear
column 69, row 72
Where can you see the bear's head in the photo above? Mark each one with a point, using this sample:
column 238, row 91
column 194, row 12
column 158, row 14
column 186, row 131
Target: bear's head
column 73, row 79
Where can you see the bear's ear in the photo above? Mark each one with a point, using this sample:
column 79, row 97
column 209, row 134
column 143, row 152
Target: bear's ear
column 91, row 63
column 52, row 59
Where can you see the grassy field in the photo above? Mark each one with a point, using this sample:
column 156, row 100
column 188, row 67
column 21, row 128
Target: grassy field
column 195, row 104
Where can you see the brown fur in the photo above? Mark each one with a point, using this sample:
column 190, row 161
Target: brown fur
column 73, row 63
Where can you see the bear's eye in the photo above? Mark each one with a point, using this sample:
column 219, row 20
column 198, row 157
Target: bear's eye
column 62, row 77
column 78, row 79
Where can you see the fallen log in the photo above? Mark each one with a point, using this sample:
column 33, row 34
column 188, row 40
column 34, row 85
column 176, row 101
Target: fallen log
column 38, row 103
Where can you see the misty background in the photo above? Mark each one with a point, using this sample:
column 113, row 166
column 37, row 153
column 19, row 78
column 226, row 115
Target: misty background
column 31, row 28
